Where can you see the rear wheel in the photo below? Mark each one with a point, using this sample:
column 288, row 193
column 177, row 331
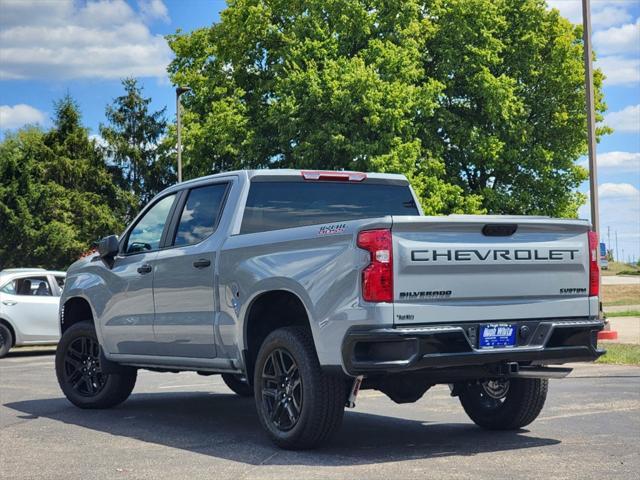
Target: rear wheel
column 6, row 340
column 238, row 384
column 504, row 404
column 80, row 373
column 299, row 405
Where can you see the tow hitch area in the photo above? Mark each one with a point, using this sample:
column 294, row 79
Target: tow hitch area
column 355, row 388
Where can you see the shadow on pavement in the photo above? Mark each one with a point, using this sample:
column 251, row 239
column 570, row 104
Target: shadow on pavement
column 31, row 352
column 226, row 426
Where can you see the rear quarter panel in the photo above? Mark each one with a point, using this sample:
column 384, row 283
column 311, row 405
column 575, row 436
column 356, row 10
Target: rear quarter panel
column 322, row 269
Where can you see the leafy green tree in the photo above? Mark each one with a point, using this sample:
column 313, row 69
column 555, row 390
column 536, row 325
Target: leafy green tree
column 479, row 102
column 56, row 195
column 132, row 139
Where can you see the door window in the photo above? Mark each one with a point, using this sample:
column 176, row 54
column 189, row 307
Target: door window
column 146, row 234
column 200, row 215
column 31, row 286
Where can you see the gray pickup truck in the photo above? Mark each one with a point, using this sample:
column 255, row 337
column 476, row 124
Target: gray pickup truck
column 302, row 287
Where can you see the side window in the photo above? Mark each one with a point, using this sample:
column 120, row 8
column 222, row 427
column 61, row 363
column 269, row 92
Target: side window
column 146, row 234
column 32, row 286
column 60, row 282
column 200, row 215
column 9, row 288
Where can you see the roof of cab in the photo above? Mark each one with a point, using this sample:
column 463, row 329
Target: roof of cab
column 279, row 172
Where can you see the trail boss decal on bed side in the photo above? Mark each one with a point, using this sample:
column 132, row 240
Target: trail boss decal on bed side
column 332, row 229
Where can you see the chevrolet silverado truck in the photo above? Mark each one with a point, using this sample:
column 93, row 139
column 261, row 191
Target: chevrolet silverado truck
column 302, row 287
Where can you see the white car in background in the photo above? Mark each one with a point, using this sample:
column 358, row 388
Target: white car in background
column 29, row 300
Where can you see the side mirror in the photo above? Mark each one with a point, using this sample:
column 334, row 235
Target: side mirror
column 108, row 248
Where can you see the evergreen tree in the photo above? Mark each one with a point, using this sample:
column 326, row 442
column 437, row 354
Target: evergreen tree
column 57, row 196
column 132, row 138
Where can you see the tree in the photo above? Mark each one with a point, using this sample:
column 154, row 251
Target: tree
column 56, row 196
column 312, row 85
column 479, row 102
column 132, row 140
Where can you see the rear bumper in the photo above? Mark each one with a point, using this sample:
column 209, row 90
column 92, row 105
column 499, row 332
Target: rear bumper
column 547, row 341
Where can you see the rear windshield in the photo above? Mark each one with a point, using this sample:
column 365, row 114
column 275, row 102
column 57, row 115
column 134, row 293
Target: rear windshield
column 277, row 205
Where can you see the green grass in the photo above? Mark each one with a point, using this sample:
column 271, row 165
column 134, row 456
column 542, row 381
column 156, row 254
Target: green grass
column 628, row 313
column 620, row 354
column 619, row 268
column 620, row 294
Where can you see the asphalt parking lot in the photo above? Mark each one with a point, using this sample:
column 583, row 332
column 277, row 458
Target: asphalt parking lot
column 189, row 426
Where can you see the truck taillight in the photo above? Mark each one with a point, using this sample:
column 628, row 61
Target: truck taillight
column 594, row 265
column 377, row 277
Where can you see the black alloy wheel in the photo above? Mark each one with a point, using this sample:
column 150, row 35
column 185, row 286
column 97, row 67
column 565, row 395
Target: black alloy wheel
column 82, row 368
column 83, row 379
column 282, row 392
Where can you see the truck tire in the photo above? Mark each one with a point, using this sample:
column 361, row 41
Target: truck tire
column 512, row 409
column 299, row 405
column 80, row 374
column 238, row 384
column 6, row 340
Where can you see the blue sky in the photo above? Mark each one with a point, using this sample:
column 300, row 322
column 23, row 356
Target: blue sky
column 83, row 47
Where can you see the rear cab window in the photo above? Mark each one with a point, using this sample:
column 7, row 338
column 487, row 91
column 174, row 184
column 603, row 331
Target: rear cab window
column 275, row 205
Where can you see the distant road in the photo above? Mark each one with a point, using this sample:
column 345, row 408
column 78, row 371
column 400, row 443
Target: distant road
column 621, row 280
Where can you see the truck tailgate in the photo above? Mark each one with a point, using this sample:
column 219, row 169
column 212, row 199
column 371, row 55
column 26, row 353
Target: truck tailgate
column 467, row 268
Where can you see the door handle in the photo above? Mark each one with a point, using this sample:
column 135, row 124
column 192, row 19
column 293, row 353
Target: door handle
column 202, row 263
column 143, row 269
column 9, row 302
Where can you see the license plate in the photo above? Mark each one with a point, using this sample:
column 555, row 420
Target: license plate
column 497, row 335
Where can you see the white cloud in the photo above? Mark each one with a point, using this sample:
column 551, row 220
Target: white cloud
column 618, row 190
column 619, row 214
column 153, row 10
column 620, row 160
column 622, row 40
column 97, row 39
column 18, row 115
column 608, row 15
column 619, row 70
column 625, row 120
column 604, row 14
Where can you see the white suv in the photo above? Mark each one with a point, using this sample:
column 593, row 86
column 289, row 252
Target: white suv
column 29, row 300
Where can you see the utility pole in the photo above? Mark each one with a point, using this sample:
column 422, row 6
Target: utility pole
column 591, row 115
column 617, row 257
column 591, row 132
column 179, row 92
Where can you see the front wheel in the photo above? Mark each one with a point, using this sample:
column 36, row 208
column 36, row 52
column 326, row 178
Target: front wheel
column 504, row 404
column 299, row 405
column 80, row 373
